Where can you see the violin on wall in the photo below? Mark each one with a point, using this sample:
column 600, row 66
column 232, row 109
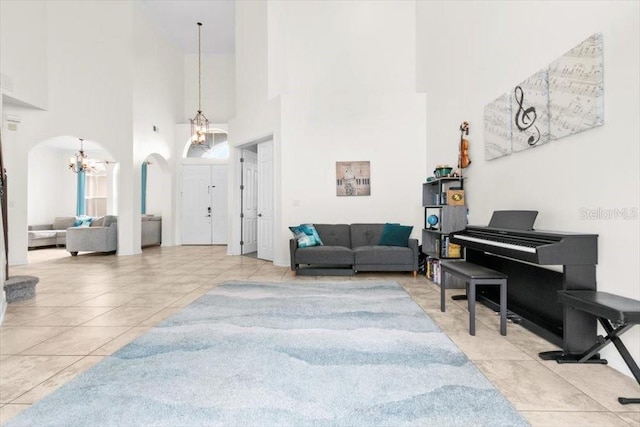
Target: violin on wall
column 463, row 156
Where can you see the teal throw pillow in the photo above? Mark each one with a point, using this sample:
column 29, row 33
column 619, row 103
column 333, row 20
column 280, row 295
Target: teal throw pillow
column 395, row 235
column 83, row 221
column 306, row 235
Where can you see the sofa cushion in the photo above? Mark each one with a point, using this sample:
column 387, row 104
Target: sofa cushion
column 334, row 234
column 306, row 235
column 395, row 235
column 324, row 255
column 382, row 255
column 365, row 234
column 42, row 234
column 63, row 222
column 97, row 221
column 109, row 219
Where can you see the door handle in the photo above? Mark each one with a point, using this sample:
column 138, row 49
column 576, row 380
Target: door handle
column 260, row 215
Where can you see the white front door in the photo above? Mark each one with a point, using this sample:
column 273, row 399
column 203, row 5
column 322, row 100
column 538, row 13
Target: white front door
column 265, row 200
column 249, row 202
column 204, row 204
column 196, row 203
column 219, row 216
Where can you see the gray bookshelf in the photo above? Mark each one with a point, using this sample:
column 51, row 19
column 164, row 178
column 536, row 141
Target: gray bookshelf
column 435, row 239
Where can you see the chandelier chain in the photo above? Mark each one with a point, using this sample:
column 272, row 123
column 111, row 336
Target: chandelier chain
column 199, row 71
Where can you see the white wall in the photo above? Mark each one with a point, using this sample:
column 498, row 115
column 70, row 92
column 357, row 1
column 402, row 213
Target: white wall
column 256, row 116
column 332, row 95
column 349, row 95
column 218, row 87
column 158, row 101
column 156, row 193
column 23, row 65
column 493, row 47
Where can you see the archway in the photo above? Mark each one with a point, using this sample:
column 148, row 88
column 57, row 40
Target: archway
column 155, row 204
column 55, row 190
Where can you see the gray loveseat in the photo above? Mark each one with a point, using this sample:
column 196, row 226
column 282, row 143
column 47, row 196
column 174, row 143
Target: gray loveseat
column 54, row 234
column 348, row 249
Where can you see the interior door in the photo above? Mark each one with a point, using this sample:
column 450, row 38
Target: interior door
column 265, row 200
column 249, row 202
column 196, row 205
column 219, row 216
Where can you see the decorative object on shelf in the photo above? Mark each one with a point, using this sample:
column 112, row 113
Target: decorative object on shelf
column 79, row 163
column 455, row 197
column 442, row 170
column 353, row 178
column 432, row 220
column 562, row 99
column 199, row 124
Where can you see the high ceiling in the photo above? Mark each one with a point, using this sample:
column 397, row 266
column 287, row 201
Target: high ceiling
column 179, row 18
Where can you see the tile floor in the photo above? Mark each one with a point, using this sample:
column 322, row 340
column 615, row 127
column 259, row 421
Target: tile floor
column 91, row 305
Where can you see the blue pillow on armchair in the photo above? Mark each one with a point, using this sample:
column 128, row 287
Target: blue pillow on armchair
column 306, row 235
column 395, row 235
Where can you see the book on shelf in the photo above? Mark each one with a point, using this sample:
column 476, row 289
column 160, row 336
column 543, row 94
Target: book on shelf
column 446, row 249
column 433, row 269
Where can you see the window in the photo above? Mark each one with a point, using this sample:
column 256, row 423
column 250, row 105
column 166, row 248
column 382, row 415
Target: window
column 217, row 147
column 96, row 190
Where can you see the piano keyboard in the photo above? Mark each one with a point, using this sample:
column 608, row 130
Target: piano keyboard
column 496, row 243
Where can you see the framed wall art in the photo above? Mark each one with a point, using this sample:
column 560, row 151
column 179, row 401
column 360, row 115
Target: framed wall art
column 353, row 178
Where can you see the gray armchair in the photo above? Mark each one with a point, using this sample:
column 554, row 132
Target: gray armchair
column 101, row 236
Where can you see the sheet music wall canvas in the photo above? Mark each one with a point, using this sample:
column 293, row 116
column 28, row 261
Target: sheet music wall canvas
column 576, row 89
column 573, row 86
column 497, row 127
column 530, row 112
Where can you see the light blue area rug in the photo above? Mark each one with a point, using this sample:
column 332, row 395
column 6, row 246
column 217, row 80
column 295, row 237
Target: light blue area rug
column 354, row 353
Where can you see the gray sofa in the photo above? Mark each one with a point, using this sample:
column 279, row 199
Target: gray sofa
column 100, row 236
column 54, row 234
column 348, row 249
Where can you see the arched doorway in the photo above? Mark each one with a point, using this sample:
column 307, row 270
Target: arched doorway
column 155, row 205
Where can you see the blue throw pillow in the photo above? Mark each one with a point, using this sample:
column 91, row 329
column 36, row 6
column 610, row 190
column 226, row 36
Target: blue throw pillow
column 306, row 235
column 395, row 235
column 83, row 221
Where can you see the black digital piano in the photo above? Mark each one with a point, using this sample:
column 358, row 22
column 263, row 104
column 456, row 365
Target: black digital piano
column 532, row 288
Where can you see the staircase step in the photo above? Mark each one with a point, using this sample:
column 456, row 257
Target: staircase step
column 18, row 288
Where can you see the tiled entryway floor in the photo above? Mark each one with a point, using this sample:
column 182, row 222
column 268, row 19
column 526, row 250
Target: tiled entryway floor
column 91, row 305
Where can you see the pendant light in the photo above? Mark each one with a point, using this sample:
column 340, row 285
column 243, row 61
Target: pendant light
column 199, row 124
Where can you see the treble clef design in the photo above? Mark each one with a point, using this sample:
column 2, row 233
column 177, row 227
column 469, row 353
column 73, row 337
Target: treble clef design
column 526, row 118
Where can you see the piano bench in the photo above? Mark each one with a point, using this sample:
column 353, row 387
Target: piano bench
column 616, row 315
column 473, row 275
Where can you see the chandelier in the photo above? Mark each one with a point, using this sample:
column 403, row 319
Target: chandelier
column 79, row 163
column 199, row 124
